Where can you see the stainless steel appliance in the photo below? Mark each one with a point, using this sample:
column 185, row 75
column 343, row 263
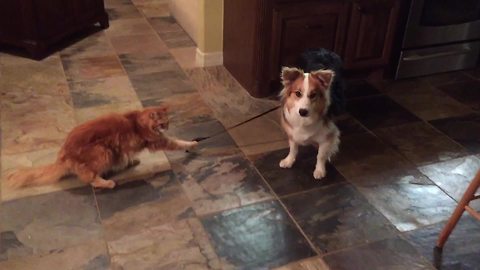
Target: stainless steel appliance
column 441, row 35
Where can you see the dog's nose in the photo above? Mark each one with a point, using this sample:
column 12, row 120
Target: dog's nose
column 303, row 112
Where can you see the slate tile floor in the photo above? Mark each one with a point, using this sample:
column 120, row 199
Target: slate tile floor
column 408, row 151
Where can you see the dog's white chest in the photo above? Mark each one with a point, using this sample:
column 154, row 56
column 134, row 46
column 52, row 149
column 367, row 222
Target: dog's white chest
column 302, row 130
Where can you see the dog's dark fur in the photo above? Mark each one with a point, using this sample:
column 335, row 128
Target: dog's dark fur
column 316, row 59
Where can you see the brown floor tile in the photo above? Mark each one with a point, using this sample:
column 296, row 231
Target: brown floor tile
column 99, row 92
column 145, row 44
column 177, row 245
column 109, row 3
column 388, row 254
column 220, row 145
column 184, row 109
column 229, row 101
column 124, row 10
column 85, row 114
column 299, row 177
column 258, row 236
column 92, row 68
column 154, row 9
column 171, row 32
column 260, row 135
column 220, row 183
column 445, row 78
column 93, row 45
column 165, row 24
column 178, row 39
column 125, row 27
column 315, row 263
column 48, row 223
column 467, row 92
column 140, row 205
column 461, row 249
column 45, row 77
column 427, row 102
column 379, row 112
column 409, row 200
column 24, row 131
column 147, row 63
column 474, row 73
column 337, row 216
column 89, row 255
column 464, row 130
column 12, row 162
column 364, row 155
column 360, row 89
column 161, row 85
column 349, row 125
column 420, row 143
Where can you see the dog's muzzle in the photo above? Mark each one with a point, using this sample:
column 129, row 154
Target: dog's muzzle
column 303, row 112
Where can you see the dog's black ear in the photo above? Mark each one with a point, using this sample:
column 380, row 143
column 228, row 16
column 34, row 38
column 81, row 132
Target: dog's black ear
column 325, row 76
column 289, row 75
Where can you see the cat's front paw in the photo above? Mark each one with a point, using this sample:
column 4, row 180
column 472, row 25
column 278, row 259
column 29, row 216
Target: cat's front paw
column 191, row 145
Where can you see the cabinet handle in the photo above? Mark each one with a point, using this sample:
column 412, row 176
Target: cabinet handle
column 315, row 26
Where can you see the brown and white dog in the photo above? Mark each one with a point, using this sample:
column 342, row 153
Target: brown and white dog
column 305, row 101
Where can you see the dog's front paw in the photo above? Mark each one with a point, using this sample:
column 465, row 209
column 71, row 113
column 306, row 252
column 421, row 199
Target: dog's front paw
column 287, row 162
column 319, row 172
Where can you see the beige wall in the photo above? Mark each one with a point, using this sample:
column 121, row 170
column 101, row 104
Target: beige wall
column 211, row 26
column 203, row 21
column 187, row 13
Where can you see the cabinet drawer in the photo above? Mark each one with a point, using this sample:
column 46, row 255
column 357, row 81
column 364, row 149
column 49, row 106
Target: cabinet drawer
column 309, row 25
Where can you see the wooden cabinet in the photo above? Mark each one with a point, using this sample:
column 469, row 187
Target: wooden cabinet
column 261, row 36
column 37, row 24
column 303, row 26
column 53, row 16
column 370, row 33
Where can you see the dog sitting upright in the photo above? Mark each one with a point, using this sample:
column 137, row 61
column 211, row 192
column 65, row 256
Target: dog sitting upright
column 305, row 103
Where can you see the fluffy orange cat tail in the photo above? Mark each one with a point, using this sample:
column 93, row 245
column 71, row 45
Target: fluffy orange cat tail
column 37, row 176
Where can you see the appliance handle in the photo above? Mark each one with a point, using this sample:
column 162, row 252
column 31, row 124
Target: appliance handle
column 435, row 55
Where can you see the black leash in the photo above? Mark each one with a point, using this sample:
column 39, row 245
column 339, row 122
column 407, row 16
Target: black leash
column 199, row 139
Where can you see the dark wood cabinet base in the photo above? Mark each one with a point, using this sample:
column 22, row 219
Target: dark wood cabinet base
column 37, row 27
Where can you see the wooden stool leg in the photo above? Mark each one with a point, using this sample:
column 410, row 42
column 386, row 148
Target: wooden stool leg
column 457, row 214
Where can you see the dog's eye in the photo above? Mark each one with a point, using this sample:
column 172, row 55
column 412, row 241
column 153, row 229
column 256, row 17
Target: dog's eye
column 298, row 93
column 313, row 95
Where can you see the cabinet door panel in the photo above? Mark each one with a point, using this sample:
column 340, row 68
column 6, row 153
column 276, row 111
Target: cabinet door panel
column 301, row 26
column 371, row 32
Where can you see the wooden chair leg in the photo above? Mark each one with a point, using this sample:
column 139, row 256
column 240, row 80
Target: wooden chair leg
column 457, row 214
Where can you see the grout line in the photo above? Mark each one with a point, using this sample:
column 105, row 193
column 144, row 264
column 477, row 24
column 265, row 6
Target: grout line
column 290, row 215
column 101, row 224
column 414, row 166
column 419, row 254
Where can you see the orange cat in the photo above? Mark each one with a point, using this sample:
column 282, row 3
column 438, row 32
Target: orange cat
column 95, row 147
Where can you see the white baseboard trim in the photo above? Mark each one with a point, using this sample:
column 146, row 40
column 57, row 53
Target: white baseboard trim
column 208, row 59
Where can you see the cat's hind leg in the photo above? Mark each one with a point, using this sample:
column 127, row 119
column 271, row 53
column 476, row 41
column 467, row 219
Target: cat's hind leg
column 89, row 176
column 99, row 182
